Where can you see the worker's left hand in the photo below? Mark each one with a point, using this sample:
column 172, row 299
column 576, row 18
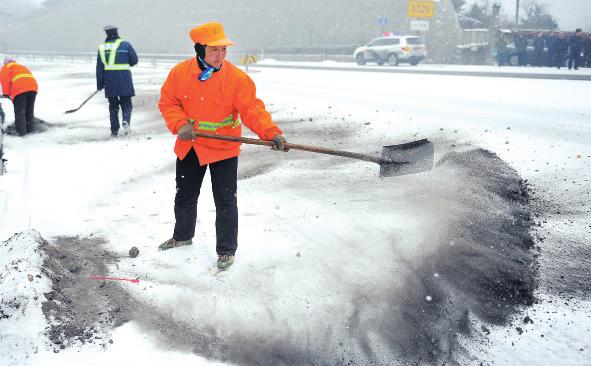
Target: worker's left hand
column 279, row 143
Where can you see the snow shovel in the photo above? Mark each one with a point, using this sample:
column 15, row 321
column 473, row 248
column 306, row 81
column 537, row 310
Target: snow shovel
column 83, row 103
column 409, row 158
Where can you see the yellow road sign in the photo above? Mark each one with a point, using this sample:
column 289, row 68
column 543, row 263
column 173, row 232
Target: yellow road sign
column 420, row 9
column 248, row 59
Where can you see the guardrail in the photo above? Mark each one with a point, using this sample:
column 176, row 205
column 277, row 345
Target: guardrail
column 167, row 58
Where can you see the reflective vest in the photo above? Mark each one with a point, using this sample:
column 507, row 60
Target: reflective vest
column 111, row 47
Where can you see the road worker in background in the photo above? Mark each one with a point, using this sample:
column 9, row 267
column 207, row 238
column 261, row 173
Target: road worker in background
column 20, row 86
column 113, row 73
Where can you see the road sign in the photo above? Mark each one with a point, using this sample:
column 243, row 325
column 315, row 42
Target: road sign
column 248, row 59
column 383, row 21
column 420, row 9
column 419, row 25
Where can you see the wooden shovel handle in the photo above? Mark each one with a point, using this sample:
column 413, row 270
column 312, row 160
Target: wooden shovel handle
column 313, row 149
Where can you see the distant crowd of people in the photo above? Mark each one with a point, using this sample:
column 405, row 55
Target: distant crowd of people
column 554, row 49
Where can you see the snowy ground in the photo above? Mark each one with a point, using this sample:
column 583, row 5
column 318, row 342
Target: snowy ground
column 335, row 265
column 439, row 69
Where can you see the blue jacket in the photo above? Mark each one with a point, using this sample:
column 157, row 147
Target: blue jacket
column 117, row 83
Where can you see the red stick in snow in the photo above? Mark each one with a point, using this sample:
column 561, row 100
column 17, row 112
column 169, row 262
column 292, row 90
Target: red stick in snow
column 114, row 279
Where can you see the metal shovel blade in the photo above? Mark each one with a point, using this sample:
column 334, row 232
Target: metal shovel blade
column 410, row 158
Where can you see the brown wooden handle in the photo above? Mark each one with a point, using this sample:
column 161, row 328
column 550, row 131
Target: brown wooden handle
column 314, row 149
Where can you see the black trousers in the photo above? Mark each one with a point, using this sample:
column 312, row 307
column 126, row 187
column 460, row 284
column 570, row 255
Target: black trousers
column 126, row 108
column 522, row 58
column 24, row 112
column 559, row 60
column 189, row 177
column 574, row 58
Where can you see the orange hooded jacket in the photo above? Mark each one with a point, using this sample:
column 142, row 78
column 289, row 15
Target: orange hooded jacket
column 218, row 105
column 16, row 79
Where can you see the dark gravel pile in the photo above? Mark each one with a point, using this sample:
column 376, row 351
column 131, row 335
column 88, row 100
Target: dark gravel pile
column 79, row 309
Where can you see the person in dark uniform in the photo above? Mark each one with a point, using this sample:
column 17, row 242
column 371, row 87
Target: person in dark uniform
column 561, row 49
column 576, row 46
column 539, row 44
column 587, row 51
column 113, row 73
column 521, row 47
column 551, row 44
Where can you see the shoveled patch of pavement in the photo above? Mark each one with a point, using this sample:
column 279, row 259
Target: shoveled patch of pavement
column 79, row 309
column 485, row 265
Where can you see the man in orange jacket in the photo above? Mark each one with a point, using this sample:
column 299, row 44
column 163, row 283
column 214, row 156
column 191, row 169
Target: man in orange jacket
column 209, row 94
column 21, row 87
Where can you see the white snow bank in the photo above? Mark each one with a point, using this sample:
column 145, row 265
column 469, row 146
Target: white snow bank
column 22, row 286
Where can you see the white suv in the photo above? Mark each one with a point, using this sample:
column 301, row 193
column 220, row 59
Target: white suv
column 392, row 50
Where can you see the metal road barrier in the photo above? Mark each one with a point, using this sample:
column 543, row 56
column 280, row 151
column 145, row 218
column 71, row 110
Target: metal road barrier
column 169, row 58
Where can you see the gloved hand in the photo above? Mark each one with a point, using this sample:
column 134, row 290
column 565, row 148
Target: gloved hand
column 187, row 133
column 279, row 143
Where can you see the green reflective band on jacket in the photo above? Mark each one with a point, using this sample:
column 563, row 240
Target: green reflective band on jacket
column 112, row 48
column 213, row 126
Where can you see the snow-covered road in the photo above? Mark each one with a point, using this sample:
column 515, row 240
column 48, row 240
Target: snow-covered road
column 335, row 265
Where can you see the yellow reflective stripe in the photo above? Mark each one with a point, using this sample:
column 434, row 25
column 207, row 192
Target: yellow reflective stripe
column 113, row 53
column 213, row 126
column 20, row 76
column 101, row 49
column 208, row 126
column 118, row 67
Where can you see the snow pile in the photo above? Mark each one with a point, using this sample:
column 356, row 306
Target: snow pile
column 22, row 288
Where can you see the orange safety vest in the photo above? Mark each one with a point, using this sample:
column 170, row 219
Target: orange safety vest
column 16, row 79
column 218, row 105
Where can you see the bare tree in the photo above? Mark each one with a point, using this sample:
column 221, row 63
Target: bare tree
column 476, row 15
column 458, row 5
column 537, row 16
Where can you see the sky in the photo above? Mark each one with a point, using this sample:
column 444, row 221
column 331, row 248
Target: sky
column 571, row 14
column 330, row 254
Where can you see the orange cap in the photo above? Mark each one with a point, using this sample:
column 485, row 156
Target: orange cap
column 211, row 34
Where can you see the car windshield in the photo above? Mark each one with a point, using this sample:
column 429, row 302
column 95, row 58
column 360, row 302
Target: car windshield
column 414, row 40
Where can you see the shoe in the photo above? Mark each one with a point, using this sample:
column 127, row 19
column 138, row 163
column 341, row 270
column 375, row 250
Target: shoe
column 173, row 243
column 126, row 127
column 225, row 261
column 114, row 134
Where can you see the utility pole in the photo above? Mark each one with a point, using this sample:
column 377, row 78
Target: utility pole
column 493, row 29
column 516, row 13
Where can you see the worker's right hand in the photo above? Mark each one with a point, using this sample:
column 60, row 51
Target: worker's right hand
column 279, row 142
column 187, row 133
